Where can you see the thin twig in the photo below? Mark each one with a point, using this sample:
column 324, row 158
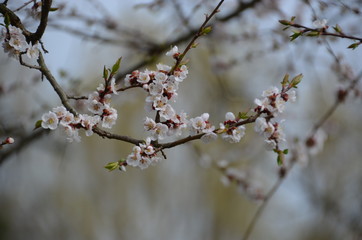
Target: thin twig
column 267, row 198
column 24, row 5
column 198, row 34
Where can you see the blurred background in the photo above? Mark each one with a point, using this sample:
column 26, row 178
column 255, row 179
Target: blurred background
column 52, row 189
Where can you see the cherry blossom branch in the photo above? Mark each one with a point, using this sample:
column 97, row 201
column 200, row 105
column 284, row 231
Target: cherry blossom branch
column 159, row 49
column 198, row 136
column 26, row 64
column 15, row 21
column 109, row 135
column 340, row 98
column 37, row 35
column 57, row 88
column 319, row 30
column 202, row 31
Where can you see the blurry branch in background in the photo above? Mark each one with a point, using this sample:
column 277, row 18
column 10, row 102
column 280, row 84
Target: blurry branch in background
column 312, row 139
column 320, row 29
column 150, row 48
column 21, row 143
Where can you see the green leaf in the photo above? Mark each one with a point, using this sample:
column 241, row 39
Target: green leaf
column 280, row 158
column 337, row 28
column 313, row 34
column 243, row 115
column 112, row 166
column 285, row 151
column 206, row 30
column 105, row 73
column 53, row 9
column 116, row 66
column 295, row 35
column 6, row 20
column 284, row 22
column 292, row 19
column 285, row 80
column 296, row 80
column 37, row 124
column 354, row 45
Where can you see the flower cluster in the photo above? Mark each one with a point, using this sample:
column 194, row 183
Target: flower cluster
column 15, row 43
column 97, row 103
column 143, row 155
column 201, row 124
column 268, row 108
column 161, row 86
column 230, row 131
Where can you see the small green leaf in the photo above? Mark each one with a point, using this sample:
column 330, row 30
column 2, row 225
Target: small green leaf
column 285, row 80
column 295, row 35
column 6, row 20
column 112, row 166
column 194, row 45
column 313, row 34
column 37, row 124
column 285, row 151
column 243, row 115
column 337, row 28
column 206, row 30
column 116, row 66
column 296, row 80
column 53, row 9
column 292, row 18
column 105, row 73
column 284, row 22
column 279, row 160
column 354, row 45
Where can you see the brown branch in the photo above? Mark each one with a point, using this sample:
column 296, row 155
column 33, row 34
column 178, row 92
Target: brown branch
column 45, row 8
column 198, row 34
column 58, row 89
column 283, row 174
column 26, row 64
column 15, row 21
column 109, row 135
column 324, row 32
column 159, row 49
column 21, row 143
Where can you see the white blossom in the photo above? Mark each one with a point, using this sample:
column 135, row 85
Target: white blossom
column 168, row 112
column 88, row 122
column 271, row 91
column 173, row 51
column 134, row 158
column 229, row 116
column 49, row 121
column 163, row 67
column 264, row 103
column 60, row 111
column 263, row 127
column 209, row 137
column 149, row 124
column 234, row 134
column 160, row 77
column 155, row 88
column 320, row 23
column 72, row 133
column 143, row 78
column 32, row 52
column 110, row 118
column 144, row 162
column 67, row 118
